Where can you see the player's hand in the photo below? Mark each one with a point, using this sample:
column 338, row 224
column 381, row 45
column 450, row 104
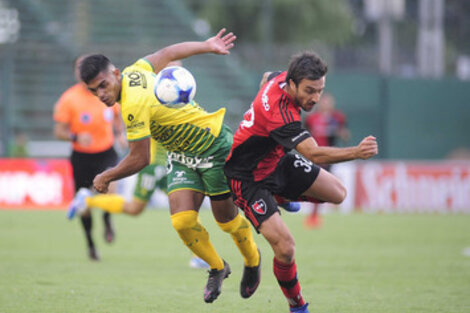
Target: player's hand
column 367, row 148
column 220, row 43
column 100, row 183
column 84, row 139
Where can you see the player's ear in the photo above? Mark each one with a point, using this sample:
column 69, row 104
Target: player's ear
column 292, row 85
column 117, row 72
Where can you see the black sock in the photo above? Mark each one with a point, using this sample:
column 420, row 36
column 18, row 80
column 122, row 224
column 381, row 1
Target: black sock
column 107, row 219
column 87, row 224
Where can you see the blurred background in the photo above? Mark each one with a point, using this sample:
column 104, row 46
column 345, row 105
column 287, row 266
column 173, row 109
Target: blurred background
column 399, row 69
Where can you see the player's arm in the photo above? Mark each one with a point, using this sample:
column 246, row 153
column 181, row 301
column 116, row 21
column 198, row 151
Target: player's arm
column 219, row 44
column 366, row 149
column 137, row 159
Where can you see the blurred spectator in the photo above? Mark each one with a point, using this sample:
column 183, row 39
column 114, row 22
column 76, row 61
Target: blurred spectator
column 18, row 147
column 327, row 125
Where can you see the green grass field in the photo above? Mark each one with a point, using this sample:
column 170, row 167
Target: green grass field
column 356, row 263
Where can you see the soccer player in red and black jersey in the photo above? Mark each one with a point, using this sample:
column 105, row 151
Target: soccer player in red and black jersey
column 259, row 165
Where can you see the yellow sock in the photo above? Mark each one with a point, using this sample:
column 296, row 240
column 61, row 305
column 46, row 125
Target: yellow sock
column 196, row 237
column 239, row 229
column 111, row 203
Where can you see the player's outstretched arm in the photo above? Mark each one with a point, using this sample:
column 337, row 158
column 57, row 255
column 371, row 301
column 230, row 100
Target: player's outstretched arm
column 219, row 44
column 366, row 149
column 137, row 159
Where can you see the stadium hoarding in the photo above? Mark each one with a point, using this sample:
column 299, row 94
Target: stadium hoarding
column 406, row 186
column 35, row 183
column 373, row 186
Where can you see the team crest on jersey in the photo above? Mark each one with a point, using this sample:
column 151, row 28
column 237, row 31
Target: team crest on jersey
column 85, row 118
column 260, row 207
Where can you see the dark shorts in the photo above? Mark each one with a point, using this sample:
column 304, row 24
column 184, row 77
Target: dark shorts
column 292, row 177
column 86, row 166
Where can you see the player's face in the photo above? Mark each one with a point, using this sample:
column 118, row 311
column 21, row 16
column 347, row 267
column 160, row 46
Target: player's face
column 308, row 92
column 106, row 86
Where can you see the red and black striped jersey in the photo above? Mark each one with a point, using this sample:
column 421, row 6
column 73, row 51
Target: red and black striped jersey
column 270, row 128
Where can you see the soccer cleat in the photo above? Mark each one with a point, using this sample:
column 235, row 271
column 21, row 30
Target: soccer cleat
column 78, row 204
column 214, row 283
column 300, row 309
column 197, row 262
column 93, row 254
column 291, row 206
column 250, row 279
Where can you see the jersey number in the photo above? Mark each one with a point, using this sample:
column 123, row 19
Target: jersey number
column 301, row 162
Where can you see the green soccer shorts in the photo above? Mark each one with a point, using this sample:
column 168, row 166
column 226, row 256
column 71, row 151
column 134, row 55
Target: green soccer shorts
column 204, row 172
column 150, row 177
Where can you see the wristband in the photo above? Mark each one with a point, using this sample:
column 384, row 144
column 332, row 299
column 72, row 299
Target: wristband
column 73, row 137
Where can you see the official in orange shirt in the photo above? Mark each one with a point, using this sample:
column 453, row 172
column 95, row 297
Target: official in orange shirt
column 89, row 125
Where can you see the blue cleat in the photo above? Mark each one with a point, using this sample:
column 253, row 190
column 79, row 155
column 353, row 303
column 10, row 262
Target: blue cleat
column 291, row 206
column 197, row 262
column 300, row 309
column 78, row 204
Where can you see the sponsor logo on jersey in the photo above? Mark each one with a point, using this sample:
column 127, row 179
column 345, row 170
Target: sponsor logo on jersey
column 137, row 79
column 130, row 117
column 191, row 162
column 260, row 207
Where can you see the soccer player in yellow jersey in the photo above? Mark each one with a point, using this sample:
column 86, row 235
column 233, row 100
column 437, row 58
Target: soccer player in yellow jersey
column 198, row 143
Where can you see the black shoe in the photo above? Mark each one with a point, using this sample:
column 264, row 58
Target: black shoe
column 108, row 230
column 93, row 254
column 214, row 284
column 251, row 279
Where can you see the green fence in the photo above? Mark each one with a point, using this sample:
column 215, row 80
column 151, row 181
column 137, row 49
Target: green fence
column 412, row 118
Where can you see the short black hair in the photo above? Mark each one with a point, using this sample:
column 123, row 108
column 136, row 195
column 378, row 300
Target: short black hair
column 92, row 65
column 306, row 65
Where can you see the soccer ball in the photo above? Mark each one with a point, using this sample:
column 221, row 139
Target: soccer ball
column 174, row 85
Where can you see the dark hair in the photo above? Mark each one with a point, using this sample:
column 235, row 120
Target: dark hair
column 92, row 65
column 306, row 65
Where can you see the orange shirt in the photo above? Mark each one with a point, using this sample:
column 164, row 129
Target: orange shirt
column 85, row 113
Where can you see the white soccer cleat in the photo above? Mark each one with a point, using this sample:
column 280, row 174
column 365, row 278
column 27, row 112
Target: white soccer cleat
column 78, row 204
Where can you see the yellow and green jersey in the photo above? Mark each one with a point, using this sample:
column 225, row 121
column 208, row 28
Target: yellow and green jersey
column 188, row 128
column 157, row 153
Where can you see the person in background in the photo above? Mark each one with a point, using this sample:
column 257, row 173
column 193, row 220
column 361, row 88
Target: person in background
column 18, row 147
column 327, row 125
column 90, row 126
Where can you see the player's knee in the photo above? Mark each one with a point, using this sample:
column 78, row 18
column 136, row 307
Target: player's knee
column 286, row 251
column 232, row 225
column 184, row 220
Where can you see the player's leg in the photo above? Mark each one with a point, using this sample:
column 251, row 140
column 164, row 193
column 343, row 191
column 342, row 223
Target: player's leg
column 261, row 209
column 184, row 207
column 327, row 188
column 279, row 237
column 231, row 221
column 186, row 193
column 82, row 176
